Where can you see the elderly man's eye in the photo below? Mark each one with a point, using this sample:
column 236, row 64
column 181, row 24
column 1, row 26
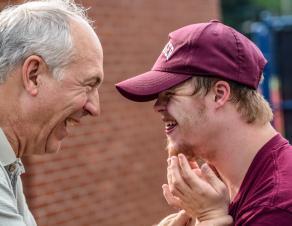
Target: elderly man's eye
column 88, row 88
column 91, row 87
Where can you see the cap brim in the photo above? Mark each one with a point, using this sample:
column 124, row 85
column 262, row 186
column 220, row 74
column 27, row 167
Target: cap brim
column 147, row 86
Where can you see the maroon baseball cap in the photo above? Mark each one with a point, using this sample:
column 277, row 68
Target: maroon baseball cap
column 203, row 49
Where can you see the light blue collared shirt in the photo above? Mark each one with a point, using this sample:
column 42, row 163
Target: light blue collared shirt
column 13, row 207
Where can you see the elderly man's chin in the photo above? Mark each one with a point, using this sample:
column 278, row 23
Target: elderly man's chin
column 53, row 146
column 55, row 139
column 174, row 149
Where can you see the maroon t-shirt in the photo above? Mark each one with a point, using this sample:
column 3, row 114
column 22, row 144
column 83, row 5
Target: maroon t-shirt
column 265, row 195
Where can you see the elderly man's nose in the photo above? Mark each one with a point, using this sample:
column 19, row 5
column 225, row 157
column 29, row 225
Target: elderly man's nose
column 92, row 106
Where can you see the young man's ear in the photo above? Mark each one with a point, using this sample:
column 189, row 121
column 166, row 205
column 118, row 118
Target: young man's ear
column 221, row 92
column 32, row 68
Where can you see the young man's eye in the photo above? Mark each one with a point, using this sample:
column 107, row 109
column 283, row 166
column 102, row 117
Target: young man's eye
column 169, row 94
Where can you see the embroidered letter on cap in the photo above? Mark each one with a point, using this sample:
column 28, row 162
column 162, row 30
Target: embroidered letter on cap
column 168, row 50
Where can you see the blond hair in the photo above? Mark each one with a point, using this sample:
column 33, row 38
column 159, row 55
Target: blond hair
column 251, row 105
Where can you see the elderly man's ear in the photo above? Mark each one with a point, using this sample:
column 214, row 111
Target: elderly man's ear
column 32, row 69
column 221, row 91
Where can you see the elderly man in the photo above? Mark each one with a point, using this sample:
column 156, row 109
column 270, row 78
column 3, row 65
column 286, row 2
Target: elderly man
column 205, row 82
column 50, row 70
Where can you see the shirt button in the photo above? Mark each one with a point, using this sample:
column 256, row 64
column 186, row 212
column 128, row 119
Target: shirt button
column 12, row 168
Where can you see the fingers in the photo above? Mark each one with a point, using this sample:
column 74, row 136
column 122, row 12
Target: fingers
column 212, row 178
column 170, row 198
column 184, row 163
column 167, row 220
column 181, row 219
column 176, row 183
column 194, row 165
column 196, row 190
column 187, row 172
column 176, row 219
column 209, row 174
column 194, row 180
column 195, row 168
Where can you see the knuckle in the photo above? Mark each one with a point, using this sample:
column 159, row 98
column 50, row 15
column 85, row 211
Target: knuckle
column 201, row 193
column 176, row 183
column 172, row 189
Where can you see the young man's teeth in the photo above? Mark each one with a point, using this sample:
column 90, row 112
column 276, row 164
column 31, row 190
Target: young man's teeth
column 170, row 124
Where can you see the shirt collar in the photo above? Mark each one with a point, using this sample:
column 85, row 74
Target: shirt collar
column 7, row 155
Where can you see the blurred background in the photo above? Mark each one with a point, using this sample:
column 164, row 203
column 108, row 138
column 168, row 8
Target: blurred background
column 110, row 170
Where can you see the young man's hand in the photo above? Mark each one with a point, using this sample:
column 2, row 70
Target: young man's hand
column 198, row 191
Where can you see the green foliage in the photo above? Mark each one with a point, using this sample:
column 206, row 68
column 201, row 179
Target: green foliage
column 235, row 12
column 271, row 5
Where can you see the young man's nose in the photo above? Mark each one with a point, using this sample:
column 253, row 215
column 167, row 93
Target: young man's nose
column 160, row 105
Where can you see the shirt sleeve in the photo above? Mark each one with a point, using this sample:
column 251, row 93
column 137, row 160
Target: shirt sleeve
column 267, row 216
column 8, row 206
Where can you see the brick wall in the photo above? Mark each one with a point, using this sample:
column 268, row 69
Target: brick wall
column 110, row 170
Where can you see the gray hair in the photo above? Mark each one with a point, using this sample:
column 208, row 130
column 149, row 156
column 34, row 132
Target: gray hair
column 38, row 28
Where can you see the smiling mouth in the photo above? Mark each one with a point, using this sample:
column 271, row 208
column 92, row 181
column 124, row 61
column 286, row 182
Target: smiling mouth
column 170, row 126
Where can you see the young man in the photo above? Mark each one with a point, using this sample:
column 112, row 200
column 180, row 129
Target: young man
column 51, row 65
column 205, row 82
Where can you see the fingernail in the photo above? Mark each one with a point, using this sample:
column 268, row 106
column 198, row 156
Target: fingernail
column 173, row 158
column 205, row 168
column 180, row 156
column 168, row 161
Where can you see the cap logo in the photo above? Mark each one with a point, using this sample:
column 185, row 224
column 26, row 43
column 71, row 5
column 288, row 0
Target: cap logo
column 168, row 50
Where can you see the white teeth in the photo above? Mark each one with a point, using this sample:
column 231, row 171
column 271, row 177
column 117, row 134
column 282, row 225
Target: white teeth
column 170, row 124
column 71, row 122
